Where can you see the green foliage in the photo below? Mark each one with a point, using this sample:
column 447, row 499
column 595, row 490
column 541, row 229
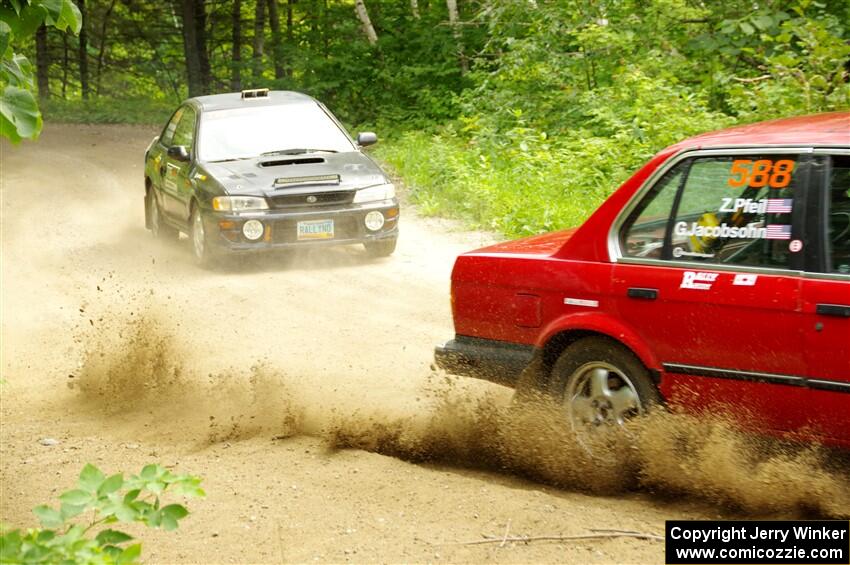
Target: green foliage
column 109, row 111
column 65, row 536
column 571, row 97
column 19, row 20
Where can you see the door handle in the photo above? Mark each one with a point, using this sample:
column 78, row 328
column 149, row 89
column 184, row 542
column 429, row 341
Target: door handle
column 643, row 293
column 840, row 310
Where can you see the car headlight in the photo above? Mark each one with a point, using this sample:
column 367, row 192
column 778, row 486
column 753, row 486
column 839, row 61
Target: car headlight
column 239, row 203
column 373, row 193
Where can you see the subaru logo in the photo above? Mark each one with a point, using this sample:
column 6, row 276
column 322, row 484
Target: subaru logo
column 311, row 199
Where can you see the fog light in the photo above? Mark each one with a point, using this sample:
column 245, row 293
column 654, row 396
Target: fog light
column 374, row 220
column 253, row 229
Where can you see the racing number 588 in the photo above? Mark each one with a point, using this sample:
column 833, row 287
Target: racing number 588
column 764, row 172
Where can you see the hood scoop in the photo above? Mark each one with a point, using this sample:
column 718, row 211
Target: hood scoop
column 313, row 180
column 299, row 161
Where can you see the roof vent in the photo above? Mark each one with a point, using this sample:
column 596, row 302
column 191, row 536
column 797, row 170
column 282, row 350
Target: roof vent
column 255, row 93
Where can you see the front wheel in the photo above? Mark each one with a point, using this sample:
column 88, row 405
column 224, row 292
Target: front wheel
column 380, row 248
column 202, row 250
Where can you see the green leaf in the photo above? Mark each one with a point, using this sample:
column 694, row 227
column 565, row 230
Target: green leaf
column 127, row 513
column 76, row 497
column 111, row 537
column 48, row 517
column 70, row 510
column 90, row 478
column 171, row 514
column 150, row 472
column 130, row 555
column 5, row 36
column 131, row 495
column 111, row 484
column 747, row 28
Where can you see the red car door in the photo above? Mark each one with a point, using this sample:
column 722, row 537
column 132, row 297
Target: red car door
column 826, row 308
column 707, row 278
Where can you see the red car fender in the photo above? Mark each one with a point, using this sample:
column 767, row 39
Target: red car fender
column 600, row 323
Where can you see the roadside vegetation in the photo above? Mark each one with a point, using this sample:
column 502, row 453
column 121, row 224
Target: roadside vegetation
column 80, row 530
column 515, row 115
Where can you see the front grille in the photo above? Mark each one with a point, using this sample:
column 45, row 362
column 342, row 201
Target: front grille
column 335, row 198
column 345, row 227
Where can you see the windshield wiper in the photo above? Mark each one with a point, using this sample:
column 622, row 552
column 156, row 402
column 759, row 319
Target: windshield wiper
column 296, row 151
column 230, row 159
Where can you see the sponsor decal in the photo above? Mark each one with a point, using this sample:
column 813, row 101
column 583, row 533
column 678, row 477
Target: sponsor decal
column 795, row 246
column 754, row 206
column 698, row 280
column 581, row 302
column 745, row 280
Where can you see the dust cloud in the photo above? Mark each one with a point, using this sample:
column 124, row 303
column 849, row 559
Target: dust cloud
column 135, row 364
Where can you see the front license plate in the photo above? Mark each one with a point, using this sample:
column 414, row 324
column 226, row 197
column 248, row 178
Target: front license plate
column 316, row 229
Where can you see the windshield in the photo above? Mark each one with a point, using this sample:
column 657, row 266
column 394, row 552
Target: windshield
column 249, row 132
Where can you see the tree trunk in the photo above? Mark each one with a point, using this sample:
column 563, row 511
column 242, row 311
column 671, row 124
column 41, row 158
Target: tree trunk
column 368, row 28
column 201, row 45
column 83, row 53
column 236, row 53
column 42, row 63
column 454, row 21
column 414, row 7
column 102, row 50
column 65, row 64
column 277, row 54
column 190, row 48
column 259, row 40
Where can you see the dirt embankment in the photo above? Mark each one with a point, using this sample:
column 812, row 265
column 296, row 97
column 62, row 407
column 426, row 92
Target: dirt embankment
column 301, row 390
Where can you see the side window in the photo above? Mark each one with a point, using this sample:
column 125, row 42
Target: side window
column 737, row 210
column 185, row 132
column 643, row 233
column 732, row 209
column 168, row 132
column 839, row 214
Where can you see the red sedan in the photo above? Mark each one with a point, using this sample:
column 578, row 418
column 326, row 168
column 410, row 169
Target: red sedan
column 719, row 274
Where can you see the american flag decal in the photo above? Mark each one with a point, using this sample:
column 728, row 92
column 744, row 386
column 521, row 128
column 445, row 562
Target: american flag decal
column 779, row 205
column 777, row 231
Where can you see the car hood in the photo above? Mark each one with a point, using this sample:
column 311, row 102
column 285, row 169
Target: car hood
column 295, row 174
column 544, row 244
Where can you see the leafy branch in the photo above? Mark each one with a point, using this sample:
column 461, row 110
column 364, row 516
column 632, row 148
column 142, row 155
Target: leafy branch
column 109, row 500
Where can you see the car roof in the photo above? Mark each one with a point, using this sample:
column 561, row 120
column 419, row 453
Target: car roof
column 816, row 130
column 232, row 100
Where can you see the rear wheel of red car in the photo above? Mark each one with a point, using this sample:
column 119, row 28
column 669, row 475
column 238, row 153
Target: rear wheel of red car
column 380, row 248
column 158, row 227
column 601, row 385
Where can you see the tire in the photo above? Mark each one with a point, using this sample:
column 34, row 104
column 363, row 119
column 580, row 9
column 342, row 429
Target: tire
column 381, row 248
column 602, row 386
column 202, row 250
column 154, row 221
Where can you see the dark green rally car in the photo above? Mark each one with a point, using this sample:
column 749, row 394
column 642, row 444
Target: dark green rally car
column 259, row 170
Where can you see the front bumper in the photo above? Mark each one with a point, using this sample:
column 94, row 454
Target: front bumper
column 500, row 362
column 280, row 227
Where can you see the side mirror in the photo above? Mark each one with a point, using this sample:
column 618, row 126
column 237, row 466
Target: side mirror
column 178, row 152
column 365, row 138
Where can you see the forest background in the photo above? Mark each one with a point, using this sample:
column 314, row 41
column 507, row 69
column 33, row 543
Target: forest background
column 519, row 116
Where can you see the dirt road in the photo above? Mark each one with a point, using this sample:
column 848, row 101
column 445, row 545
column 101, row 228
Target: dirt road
column 266, row 378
